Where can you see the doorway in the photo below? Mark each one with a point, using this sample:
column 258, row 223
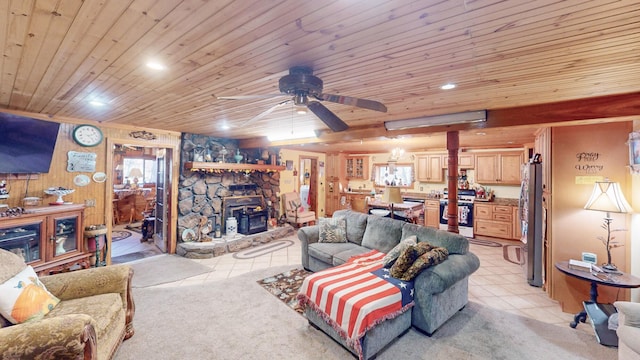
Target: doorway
column 308, row 180
column 141, row 201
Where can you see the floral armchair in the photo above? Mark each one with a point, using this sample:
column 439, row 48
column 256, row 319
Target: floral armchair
column 87, row 315
column 295, row 213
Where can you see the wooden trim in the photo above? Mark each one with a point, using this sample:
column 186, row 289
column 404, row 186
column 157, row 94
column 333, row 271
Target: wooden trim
column 230, row 167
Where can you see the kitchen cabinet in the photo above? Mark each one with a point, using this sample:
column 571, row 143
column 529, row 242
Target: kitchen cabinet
column 493, row 220
column 430, row 168
column 49, row 238
column 499, row 168
column 356, row 167
column 465, row 161
column 333, row 176
column 356, row 202
column 432, row 213
column 517, row 230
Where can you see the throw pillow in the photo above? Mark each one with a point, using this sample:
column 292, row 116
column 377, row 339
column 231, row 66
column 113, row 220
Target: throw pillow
column 332, row 230
column 405, row 260
column 432, row 257
column 393, row 254
column 24, row 297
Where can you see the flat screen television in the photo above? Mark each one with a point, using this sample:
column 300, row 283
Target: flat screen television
column 26, row 144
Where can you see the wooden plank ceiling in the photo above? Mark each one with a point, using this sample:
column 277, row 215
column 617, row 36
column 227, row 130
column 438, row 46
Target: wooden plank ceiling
column 58, row 55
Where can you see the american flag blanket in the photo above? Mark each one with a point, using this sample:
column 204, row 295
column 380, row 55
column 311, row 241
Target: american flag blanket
column 356, row 296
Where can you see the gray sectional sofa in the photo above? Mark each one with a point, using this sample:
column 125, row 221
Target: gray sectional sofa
column 440, row 290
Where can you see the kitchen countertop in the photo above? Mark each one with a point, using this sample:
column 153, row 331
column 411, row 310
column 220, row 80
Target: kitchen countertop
column 501, row 201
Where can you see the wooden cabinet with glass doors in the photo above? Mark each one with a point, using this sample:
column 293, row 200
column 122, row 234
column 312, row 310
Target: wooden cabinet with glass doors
column 48, row 238
column 356, row 167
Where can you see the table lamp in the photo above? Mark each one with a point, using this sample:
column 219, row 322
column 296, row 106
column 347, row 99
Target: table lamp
column 392, row 195
column 607, row 196
column 135, row 173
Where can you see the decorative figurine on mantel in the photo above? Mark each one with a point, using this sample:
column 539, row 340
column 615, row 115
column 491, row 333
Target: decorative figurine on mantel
column 238, row 156
column 223, row 153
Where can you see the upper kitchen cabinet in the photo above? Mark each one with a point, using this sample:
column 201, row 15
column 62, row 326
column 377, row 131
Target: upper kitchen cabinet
column 430, row 168
column 356, row 167
column 465, row 161
column 499, row 168
column 333, row 165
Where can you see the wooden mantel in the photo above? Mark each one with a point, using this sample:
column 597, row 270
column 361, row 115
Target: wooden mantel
column 211, row 167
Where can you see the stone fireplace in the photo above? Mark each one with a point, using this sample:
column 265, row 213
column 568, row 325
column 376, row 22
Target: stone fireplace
column 208, row 194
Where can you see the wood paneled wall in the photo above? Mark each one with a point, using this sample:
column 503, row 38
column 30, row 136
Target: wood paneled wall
column 24, row 185
column 573, row 229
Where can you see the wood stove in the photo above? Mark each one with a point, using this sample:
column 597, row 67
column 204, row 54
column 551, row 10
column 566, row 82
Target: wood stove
column 251, row 221
column 249, row 211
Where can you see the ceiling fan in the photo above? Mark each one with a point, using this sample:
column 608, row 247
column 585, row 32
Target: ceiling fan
column 307, row 91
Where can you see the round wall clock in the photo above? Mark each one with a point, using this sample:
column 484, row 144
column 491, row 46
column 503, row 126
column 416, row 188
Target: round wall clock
column 87, row 135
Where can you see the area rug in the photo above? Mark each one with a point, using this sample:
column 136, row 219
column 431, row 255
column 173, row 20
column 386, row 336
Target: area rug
column 135, row 256
column 137, row 227
column 236, row 318
column 164, row 269
column 513, row 254
column 285, row 286
column 262, row 249
column 484, row 242
column 118, row 235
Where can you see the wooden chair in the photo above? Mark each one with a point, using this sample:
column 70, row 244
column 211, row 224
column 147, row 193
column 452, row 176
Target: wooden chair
column 295, row 213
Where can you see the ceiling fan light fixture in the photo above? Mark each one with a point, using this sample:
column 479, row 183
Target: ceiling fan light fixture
column 301, row 110
column 436, row 120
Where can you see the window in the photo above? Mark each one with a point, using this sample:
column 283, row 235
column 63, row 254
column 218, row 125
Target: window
column 393, row 174
column 146, row 167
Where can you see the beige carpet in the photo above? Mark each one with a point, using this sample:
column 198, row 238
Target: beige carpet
column 237, row 319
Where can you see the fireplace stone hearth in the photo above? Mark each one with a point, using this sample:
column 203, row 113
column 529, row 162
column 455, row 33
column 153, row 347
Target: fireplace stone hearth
column 219, row 247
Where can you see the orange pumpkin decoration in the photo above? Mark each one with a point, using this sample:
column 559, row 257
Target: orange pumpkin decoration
column 34, row 301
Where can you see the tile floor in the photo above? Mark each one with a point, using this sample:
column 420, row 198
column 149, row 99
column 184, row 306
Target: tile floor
column 497, row 283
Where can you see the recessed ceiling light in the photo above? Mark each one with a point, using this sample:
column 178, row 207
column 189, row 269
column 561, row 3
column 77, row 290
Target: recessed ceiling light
column 225, row 127
column 96, row 103
column 155, row 65
column 448, row 86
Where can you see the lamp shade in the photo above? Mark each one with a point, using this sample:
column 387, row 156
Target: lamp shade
column 392, row 195
column 607, row 196
column 135, row 173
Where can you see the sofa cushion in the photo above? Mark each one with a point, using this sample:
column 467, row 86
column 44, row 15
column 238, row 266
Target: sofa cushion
column 106, row 309
column 10, row 264
column 454, row 243
column 356, row 224
column 382, row 234
column 332, row 230
column 343, row 256
column 393, row 254
column 23, row 297
column 325, row 251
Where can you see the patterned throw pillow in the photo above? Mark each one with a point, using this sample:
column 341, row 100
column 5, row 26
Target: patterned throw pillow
column 332, row 230
column 405, row 260
column 24, row 297
column 393, row 254
column 432, row 257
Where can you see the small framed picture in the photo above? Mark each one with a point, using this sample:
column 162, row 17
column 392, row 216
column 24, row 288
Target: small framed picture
column 289, row 164
column 634, row 152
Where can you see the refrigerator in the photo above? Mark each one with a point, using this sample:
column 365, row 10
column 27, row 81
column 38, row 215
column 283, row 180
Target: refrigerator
column 531, row 213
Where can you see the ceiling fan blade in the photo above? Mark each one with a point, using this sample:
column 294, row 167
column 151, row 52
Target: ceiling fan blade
column 249, row 97
column 348, row 100
column 329, row 118
column 265, row 113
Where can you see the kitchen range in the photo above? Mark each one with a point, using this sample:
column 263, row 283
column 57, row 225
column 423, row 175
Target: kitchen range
column 465, row 212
